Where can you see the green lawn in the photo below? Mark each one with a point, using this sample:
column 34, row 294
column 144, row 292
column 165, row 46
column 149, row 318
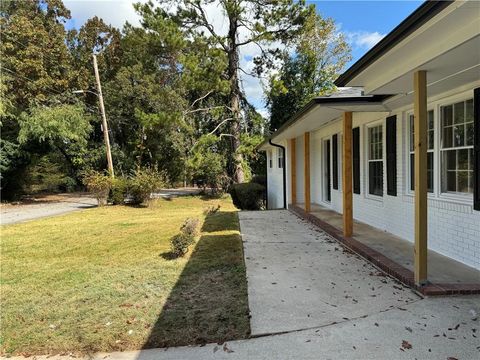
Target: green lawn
column 102, row 279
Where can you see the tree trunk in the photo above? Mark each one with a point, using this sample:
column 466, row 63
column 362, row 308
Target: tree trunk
column 233, row 65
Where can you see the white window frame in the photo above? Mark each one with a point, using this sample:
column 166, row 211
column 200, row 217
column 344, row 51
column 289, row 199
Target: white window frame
column 450, row 195
column 280, row 159
column 409, row 152
column 366, row 167
column 270, row 159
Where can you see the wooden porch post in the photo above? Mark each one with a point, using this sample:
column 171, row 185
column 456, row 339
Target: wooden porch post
column 293, row 169
column 420, row 142
column 306, row 163
column 347, row 175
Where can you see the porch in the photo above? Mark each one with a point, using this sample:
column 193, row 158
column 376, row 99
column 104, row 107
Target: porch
column 395, row 255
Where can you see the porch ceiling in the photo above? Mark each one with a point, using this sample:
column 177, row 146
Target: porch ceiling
column 457, row 67
column 447, row 47
column 321, row 114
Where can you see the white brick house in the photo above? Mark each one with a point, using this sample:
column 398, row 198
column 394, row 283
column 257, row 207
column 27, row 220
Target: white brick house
column 442, row 41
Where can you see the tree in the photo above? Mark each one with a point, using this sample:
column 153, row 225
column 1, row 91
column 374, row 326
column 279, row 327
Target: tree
column 36, row 69
column 265, row 24
column 63, row 127
column 321, row 53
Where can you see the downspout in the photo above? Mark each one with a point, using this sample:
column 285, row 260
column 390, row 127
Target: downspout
column 284, row 173
column 266, row 182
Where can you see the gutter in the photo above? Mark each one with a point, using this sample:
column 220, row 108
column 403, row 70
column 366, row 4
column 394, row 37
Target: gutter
column 284, row 173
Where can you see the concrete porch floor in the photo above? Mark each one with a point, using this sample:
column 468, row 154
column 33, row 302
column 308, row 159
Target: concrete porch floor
column 441, row 269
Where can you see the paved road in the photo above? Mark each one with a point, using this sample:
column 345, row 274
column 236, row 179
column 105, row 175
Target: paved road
column 63, row 203
column 51, row 205
column 311, row 300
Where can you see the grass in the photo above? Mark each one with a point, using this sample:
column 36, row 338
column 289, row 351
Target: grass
column 102, row 280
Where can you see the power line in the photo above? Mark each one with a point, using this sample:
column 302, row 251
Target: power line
column 52, row 91
column 24, row 46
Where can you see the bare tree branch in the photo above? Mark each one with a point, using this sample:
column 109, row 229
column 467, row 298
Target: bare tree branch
column 205, row 109
column 201, row 98
column 221, row 123
column 209, row 26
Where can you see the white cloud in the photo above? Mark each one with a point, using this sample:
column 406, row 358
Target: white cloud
column 113, row 12
column 363, row 39
column 264, row 112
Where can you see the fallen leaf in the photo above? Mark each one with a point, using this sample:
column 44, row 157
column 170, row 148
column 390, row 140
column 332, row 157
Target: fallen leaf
column 227, row 349
column 406, row 344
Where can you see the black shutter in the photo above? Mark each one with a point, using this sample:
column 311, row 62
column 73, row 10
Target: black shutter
column 335, row 161
column 392, row 155
column 476, row 149
column 356, row 159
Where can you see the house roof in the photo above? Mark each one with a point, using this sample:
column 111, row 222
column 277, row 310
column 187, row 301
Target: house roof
column 411, row 46
column 332, row 106
column 419, row 17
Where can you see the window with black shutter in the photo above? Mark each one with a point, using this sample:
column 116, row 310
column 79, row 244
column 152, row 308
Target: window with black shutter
column 356, row 159
column 392, row 155
column 335, row 161
column 476, row 149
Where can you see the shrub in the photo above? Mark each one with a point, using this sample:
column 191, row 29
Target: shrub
column 98, row 184
column 142, row 183
column 190, row 227
column 248, row 196
column 212, row 209
column 259, row 179
column 188, row 232
column 119, row 190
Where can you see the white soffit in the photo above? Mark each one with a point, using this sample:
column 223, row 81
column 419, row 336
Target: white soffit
column 445, row 46
column 322, row 114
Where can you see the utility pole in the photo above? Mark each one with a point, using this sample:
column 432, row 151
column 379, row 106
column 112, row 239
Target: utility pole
column 104, row 117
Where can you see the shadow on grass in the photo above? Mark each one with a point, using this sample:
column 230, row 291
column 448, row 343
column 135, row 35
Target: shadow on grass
column 209, row 301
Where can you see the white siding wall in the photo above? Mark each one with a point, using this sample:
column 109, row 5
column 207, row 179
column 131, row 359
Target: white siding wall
column 453, row 228
column 300, row 170
column 274, row 180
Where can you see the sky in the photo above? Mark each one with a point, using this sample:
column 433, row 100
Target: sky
column 364, row 23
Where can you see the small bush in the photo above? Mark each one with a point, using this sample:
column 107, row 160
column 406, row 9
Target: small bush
column 99, row 185
column 190, row 227
column 259, row 179
column 248, row 196
column 119, row 190
column 143, row 183
column 188, row 232
column 212, row 209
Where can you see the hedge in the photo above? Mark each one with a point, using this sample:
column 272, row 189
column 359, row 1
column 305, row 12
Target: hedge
column 248, row 196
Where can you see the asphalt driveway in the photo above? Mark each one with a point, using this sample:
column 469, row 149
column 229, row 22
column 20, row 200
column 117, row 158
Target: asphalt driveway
column 45, row 206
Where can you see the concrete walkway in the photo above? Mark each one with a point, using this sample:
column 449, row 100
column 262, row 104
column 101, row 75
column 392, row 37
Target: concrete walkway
column 299, row 277
column 441, row 269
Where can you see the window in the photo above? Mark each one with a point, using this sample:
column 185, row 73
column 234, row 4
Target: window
column 280, row 158
column 375, row 160
column 356, row 159
column 430, row 142
column 335, row 161
column 456, row 152
column 270, row 160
